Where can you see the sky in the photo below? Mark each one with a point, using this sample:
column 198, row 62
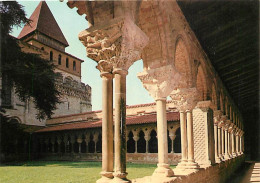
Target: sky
column 71, row 24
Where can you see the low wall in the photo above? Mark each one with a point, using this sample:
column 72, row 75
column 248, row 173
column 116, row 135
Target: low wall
column 217, row 173
column 174, row 158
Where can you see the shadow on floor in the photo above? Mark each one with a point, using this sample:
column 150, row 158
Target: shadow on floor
column 248, row 173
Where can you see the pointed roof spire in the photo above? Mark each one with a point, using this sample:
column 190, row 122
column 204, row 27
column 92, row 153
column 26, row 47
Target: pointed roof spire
column 44, row 22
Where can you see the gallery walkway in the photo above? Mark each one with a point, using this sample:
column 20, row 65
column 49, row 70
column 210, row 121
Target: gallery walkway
column 249, row 173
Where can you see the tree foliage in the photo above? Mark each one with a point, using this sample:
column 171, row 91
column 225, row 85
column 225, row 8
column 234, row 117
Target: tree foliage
column 32, row 76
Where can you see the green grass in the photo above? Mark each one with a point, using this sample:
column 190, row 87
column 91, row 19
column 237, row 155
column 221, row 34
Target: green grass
column 63, row 172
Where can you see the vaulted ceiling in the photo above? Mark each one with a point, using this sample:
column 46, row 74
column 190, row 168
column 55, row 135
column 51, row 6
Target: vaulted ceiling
column 229, row 33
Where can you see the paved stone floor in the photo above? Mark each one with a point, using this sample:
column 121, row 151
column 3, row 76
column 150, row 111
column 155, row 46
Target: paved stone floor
column 249, row 173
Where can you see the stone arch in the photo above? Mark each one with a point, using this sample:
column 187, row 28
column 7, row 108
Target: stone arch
column 153, row 142
column 201, row 84
column 141, row 143
column 182, row 59
column 130, row 143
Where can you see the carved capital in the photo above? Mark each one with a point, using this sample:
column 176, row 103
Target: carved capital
column 217, row 116
column 185, row 98
column 160, row 82
column 120, row 42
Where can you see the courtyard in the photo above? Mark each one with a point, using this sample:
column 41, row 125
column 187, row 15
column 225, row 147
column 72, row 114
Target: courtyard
column 63, row 171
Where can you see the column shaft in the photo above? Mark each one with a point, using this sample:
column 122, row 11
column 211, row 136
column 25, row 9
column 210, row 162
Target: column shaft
column 233, row 144
column 223, row 141
column 191, row 161
column 163, row 166
column 219, row 143
column 120, row 126
column 217, row 159
column 162, row 131
column 183, row 137
column 172, row 146
column 226, row 144
column 107, row 125
column 135, row 146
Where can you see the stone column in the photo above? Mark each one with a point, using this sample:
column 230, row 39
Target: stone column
column 229, row 144
column 220, row 143
column 95, row 139
column 240, row 143
column 147, row 138
column 233, row 143
column 184, row 144
column 136, row 138
column 120, row 124
column 216, row 140
column 223, row 141
column 59, row 142
column 79, row 141
column 107, row 125
column 226, row 144
column 160, row 82
column 172, row 137
column 117, row 42
column 191, row 162
column 162, row 166
column 237, row 144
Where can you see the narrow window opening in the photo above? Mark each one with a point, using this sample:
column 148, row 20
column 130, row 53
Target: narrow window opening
column 74, row 65
column 51, row 55
column 67, row 62
column 59, row 60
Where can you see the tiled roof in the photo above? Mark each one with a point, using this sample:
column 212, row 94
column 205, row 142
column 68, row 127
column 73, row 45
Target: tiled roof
column 44, row 22
column 141, row 119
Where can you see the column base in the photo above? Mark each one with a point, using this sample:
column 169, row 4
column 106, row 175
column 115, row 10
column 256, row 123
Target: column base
column 106, row 177
column 163, row 169
column 182, row 164
column 234, row 155
column 192, row 165
column 120, row 177
column 218, row 159
column 226, row 157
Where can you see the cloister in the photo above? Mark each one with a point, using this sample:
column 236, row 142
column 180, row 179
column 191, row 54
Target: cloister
column 199, row 118
column 175, row 66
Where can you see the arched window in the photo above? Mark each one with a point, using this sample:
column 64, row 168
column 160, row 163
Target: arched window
column 51, row 56
column 67, row 62
column 130, row 143
column 74, row 65
column 59, row 59
column 153, row 143
column 141, row 143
